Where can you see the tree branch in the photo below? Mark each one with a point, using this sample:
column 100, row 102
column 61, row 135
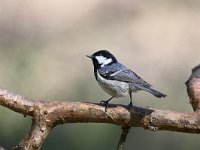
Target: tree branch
column 36, row 137
column 48, row 114
column 16, row 102
column 193, row 88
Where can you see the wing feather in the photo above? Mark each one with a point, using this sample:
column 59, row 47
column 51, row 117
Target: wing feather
column 120, row 73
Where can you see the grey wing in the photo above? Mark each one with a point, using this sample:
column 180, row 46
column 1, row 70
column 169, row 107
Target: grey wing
column 131, row 77
column 121, row 73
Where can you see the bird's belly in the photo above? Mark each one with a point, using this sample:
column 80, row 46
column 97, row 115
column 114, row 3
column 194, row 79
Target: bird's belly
column 113, row 87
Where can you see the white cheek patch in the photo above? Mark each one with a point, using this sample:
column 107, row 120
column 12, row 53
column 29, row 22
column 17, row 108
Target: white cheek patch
column 103, row 60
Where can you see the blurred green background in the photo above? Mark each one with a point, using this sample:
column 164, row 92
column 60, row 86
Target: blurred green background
column 42, row 56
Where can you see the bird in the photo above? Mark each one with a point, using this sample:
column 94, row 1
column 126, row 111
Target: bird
column 116, row 79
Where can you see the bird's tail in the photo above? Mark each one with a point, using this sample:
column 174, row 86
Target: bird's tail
column 149, row 89
column 155, row 93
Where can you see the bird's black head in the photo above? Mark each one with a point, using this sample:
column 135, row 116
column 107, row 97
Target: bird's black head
column 102, row 58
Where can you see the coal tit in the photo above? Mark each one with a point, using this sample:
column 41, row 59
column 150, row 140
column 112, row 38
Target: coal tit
column 116, row 79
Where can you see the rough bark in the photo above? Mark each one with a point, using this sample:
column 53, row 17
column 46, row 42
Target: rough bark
column 48, row 114
column 193, row 88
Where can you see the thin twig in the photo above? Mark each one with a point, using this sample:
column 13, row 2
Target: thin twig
column 125, row 131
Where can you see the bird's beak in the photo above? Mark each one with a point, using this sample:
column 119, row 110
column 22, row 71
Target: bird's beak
column 89, row 56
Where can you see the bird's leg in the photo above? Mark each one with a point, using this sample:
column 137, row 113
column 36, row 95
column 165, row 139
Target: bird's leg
column 130, row 104
column 105, row 102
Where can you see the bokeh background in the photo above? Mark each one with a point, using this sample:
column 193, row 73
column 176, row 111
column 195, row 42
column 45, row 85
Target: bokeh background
column 42, row 56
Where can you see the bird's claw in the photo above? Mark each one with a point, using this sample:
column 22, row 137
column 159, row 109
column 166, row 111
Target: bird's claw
column 104, row 102
column 130, row 105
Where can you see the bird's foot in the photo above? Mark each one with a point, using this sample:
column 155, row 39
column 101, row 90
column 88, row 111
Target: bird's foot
column 105, row 102
column 130, row 105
